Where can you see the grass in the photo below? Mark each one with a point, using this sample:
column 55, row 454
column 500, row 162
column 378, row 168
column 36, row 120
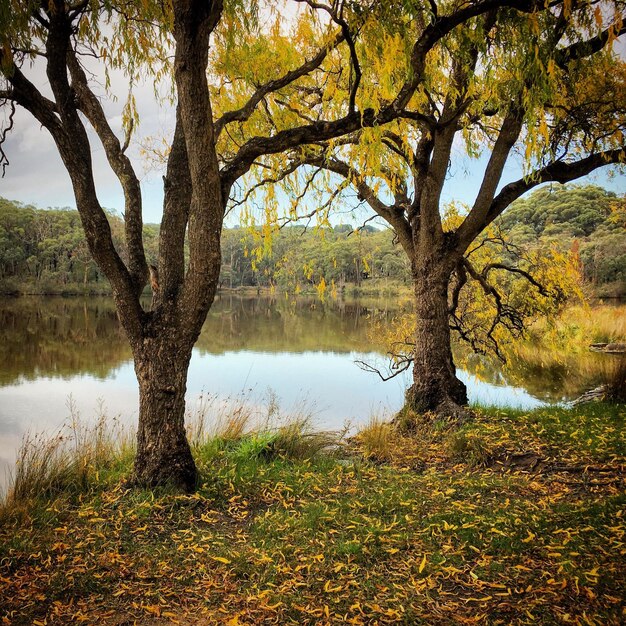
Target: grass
column 579, row 326
column 375, row 439
column 440, row 529
column 71, row 460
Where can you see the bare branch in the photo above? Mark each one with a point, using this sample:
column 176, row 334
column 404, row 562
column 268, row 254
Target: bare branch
column 397, row 366
column 121, row 166
column 4, row 160
column 515, row 270
column 268, row 180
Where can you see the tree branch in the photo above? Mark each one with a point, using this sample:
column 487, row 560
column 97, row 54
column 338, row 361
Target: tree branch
column 242, row 114
column 558, row 171
column 472, row 225
column 439, row 27
column 398, row 366
column 582, row 49
column 392, row 214
column 121, row 166
column 72, row 142
column 355, row 120
column 515, row 270
column 176, row 203
column 194, row 21
column 347, row 36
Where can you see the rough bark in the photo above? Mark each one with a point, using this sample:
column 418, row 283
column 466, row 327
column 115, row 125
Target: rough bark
column 435, row 385
column 163, row 453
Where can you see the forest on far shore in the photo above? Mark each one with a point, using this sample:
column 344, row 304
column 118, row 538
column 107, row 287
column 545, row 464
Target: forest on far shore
column 44, row 251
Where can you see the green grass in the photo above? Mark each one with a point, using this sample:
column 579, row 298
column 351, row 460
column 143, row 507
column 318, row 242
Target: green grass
column 278, row 535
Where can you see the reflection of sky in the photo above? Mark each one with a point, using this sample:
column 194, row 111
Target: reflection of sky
column 329, row 385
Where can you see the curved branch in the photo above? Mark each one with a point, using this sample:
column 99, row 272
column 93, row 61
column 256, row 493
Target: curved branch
column 4, row 160
column 515, row 270
column 398, row 367
column 72, row 141
column 355, row 120
column 558, row 171
column 121, row 166
column 583, row 49
column 439, row 27
column 347, row 36
column 394, row 215
column 242, row 114
column 472, row 224
column 291, row 138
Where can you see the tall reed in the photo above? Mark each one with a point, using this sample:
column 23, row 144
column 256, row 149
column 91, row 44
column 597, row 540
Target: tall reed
column 70, row 460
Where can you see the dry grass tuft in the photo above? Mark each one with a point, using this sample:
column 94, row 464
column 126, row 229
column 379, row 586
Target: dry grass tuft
column 298, row 439
column 375, row 439
column 68, row 461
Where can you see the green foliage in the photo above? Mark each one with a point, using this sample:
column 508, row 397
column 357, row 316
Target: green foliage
column 44, row 251
column 579, row 219
column 301, row 260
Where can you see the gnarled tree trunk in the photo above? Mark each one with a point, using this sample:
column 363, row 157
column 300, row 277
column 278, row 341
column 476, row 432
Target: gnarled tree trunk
column 163, row 452
column 435, row 385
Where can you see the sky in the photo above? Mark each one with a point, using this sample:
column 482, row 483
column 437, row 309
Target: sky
column 37, row 176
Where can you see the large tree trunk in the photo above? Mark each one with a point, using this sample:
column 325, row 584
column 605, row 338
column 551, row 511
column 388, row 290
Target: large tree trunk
column 163, row 452
column 435, row 385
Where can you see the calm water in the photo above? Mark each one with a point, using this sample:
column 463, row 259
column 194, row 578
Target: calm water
column 256, row 350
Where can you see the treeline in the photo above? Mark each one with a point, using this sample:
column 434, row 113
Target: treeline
column 299, row 259
column 44, row 251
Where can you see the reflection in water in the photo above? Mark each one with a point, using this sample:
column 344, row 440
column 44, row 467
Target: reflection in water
column 52, row 348
column 59, row 337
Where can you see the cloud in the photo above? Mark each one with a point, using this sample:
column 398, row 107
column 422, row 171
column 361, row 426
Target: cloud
column 36, row 174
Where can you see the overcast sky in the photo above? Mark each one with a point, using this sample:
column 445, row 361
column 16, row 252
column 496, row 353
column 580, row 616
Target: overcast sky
column 36, row 174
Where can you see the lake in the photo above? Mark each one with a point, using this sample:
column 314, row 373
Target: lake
column 299, row 354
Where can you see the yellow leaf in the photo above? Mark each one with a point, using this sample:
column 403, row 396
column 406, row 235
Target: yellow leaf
column 329, row 589
column 530, row 537
column 422, row 565
column 221, row 559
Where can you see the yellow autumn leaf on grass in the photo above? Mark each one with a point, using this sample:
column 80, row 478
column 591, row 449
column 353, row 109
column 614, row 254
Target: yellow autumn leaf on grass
column 330, row 589
column 221, row 559
column 422, row 565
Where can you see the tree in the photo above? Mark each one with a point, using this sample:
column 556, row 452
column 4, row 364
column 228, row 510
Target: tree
column 542, row 82
column 292, row 87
